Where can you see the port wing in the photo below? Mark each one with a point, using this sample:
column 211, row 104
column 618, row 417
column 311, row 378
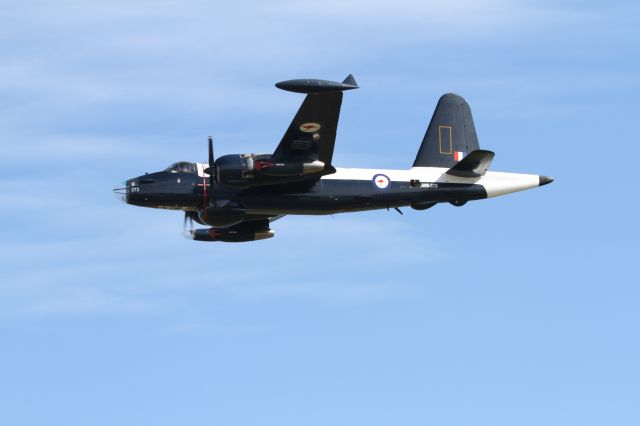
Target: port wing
column 311, row 135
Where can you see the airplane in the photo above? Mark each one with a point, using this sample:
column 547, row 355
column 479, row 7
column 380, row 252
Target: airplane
column 238, row 196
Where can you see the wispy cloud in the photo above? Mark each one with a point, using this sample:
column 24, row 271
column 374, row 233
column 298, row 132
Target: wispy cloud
column 105, row 90
column 103, row 274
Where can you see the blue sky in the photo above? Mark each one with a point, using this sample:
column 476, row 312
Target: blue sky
column 517, row 310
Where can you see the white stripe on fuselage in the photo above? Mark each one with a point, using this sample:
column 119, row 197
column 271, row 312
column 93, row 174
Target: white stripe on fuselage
column 495, row 183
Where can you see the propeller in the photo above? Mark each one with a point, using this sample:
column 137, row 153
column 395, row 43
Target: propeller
column 187, row 218
column 211, row 170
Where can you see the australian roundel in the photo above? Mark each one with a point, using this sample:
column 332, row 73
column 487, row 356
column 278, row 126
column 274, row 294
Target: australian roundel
column 309, row 127
column 381, row 181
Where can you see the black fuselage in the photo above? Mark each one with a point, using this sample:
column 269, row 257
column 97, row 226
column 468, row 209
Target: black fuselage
column 191, row 192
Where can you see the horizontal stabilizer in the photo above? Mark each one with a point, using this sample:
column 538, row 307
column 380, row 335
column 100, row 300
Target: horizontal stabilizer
column 475, row 164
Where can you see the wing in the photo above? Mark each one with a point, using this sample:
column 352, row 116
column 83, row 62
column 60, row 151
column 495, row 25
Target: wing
column 311, row 135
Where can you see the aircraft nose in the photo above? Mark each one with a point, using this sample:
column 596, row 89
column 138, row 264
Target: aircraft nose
column 120, row 191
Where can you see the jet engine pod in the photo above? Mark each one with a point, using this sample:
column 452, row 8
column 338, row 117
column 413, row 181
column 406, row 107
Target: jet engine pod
column 222, row 215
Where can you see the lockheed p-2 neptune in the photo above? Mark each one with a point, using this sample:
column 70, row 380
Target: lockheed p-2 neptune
column 238, row 196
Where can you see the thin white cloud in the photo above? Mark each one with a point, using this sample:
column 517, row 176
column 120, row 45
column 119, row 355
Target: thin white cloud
column 81, row 276
column 76, row 302
column 94, row 71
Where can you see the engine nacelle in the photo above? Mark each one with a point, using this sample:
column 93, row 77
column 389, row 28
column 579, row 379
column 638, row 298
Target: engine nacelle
column 234, row 171
column 222, row 215
column 271, row 168
column 247, row 170
column 231, row 235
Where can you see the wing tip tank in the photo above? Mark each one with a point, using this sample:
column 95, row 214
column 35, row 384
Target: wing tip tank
column 313, row 85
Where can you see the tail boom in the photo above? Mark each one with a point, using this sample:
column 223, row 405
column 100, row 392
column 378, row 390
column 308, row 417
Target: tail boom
column 499, row 183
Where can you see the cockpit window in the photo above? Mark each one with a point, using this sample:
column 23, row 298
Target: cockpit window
column 181, row 167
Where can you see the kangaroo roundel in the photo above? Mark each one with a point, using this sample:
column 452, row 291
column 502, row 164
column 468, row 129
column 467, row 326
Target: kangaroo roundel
column 310, row 127
column 381, row 181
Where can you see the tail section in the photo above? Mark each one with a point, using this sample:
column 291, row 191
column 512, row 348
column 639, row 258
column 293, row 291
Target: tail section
column 450, row 136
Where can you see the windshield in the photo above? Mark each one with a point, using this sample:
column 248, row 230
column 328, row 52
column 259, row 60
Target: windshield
column 181, row 167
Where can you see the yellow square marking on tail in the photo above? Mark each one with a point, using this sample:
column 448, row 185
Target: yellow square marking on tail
column 448, row 139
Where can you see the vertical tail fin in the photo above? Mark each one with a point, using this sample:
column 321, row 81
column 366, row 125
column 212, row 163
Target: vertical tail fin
column 450, row 136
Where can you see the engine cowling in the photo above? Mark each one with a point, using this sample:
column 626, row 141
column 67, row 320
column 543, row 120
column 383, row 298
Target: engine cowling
column 268, row 167
column 222, row 215
column 247, row 170
column 234, row 171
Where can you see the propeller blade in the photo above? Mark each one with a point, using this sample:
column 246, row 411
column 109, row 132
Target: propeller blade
column 187, row 217
column 211, row 159
column 184, row 224
column 211, row 170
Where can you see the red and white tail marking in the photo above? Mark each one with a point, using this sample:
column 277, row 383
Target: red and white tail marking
column 458, row 155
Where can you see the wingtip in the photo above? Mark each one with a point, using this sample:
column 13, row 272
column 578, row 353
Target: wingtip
column 313, row 85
